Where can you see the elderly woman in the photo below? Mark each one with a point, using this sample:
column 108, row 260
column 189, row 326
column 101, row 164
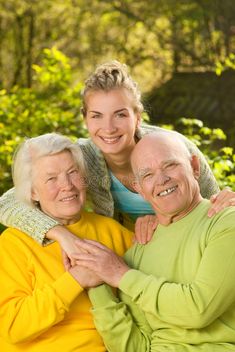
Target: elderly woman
column 43, row 307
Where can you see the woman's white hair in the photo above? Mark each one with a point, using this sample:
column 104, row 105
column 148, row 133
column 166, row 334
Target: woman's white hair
column 32, row 149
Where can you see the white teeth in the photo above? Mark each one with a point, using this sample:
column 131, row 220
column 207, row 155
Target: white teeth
column 167, row 191
column 110, row 140
column 68, row 198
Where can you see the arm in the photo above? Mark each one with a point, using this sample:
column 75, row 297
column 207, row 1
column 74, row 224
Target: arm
column 122, row 326
column 189, row 305
column 27, row 311
column 29, row 220
column 199, row 303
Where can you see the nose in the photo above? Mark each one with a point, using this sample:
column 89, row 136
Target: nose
column 109, row 125
column 161, row 178
column 66, row 183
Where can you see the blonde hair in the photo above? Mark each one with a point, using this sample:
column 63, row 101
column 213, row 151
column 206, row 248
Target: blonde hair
column 34, row 148
column 112, row 75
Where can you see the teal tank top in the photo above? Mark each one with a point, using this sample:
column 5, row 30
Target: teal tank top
column 127, row 201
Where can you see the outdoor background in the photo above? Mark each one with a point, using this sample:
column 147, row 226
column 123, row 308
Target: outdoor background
column 180, row 52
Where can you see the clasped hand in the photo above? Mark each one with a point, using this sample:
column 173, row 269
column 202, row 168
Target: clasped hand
column 99, row 262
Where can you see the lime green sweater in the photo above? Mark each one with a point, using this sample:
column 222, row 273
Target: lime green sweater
column 42, row 307
column 180, row 294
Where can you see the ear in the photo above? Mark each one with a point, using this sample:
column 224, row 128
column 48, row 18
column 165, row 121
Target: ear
column 34, row 195
column 195, row 163
column 138, row 119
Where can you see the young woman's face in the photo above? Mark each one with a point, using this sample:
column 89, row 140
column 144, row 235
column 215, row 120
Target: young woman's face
column 111, row 120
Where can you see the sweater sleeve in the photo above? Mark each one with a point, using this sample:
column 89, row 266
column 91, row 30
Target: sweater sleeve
column 196, row 304
column 32, row 221
column 114, row 318
column 25, row 313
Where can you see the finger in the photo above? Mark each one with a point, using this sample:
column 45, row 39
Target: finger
column 137, row 230
column 83, row 256
column 97, row 244
column 226, row 193
column 87, row 247
column 150, row 232
column 66, row 261
column 213, row 198
column 155, row 223
column 220, row 206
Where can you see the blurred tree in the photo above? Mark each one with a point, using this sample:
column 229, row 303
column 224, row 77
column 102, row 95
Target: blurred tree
column 156, row 38
column 54, row 105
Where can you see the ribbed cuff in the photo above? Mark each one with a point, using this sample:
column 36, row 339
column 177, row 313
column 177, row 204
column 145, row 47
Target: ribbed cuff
column 67, row 288
column 100, row 295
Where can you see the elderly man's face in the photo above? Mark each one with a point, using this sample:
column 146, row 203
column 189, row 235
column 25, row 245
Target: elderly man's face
column 59, row 187
column 167, row 178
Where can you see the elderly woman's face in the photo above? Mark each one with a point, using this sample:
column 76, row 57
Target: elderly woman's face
column 59, row 187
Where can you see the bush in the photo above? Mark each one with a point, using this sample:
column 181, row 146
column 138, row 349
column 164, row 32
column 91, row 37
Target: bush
column 52, row 104
column 211, row 142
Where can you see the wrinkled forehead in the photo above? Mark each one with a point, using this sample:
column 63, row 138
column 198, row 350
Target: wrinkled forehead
column 157, row 153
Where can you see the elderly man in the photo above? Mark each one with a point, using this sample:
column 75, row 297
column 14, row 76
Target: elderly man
column 176, row 293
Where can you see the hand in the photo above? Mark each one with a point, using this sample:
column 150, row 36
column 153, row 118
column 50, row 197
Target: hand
column 67, row 242
column 144, row 228
column 85, row 277
column 220, row 201
column 108, row 266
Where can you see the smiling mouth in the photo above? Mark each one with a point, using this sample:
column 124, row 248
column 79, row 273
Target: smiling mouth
column 67, row 199
column 167, row 191
column 111, row 140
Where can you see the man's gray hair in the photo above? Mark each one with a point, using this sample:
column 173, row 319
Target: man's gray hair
column 32, row 149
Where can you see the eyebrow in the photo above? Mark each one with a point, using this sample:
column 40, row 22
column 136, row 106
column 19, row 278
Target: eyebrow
column 116, row 111
column 143, row 171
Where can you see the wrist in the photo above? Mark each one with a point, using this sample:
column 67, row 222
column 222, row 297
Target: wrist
column 55, row 233
column 120, row 275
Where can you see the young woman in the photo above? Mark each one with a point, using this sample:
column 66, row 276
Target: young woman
column 112, row 111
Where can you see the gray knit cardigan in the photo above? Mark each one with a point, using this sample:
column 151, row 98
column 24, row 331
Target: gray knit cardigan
column 35, row 223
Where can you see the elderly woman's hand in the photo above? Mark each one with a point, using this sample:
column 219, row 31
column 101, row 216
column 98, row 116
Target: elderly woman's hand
column 67, row 242
column 221, row 200
column 144, row 228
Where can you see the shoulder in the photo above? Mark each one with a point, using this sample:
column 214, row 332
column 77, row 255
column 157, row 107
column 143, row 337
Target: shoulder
column 109, row 231
column 103, row 221
column 146, row 129
column 87, row 145
column 12, row 238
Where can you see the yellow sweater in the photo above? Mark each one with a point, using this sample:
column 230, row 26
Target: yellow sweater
column 42, row 307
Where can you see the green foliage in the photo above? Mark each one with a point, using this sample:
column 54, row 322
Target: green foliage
column 211, row 142
column 227, row 63
column 52, row 104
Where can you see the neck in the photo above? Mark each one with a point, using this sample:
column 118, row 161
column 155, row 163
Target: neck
column 166, row 220
column 119, row 163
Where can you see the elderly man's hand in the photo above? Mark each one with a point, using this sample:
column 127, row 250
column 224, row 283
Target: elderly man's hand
column 85, row 277
column 107, row 265
column 221, row 200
